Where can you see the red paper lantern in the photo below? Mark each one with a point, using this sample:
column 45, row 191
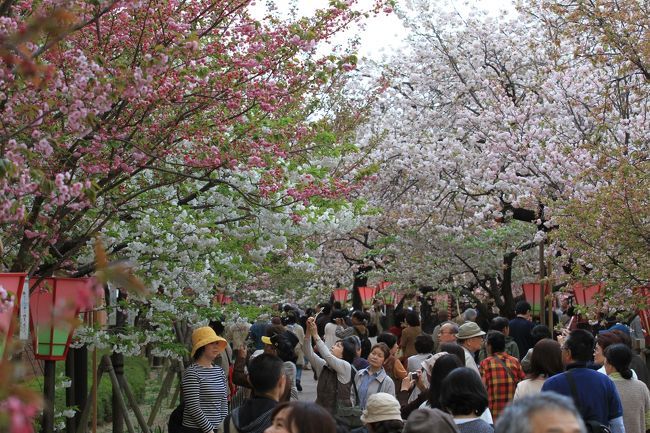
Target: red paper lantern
column 366, row 294
column 13, row 285
column 585, row 295
column 53, row 307
column 644, row 316
column 381, row 286
column 533, row 294
column 644, row 312
column 340, row 295
column 218, row 298
column 440, row 300
column 393, row 297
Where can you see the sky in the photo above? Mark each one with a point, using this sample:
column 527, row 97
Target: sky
column 383, row 34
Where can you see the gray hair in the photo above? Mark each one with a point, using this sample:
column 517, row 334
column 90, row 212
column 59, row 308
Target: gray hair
column 453, row 325
column 516, row 417
column 470, row 314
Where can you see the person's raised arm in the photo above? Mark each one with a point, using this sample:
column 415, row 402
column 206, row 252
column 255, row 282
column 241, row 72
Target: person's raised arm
column 316, row 361
column 342, row 332
column 343, row 368
column 239, row 376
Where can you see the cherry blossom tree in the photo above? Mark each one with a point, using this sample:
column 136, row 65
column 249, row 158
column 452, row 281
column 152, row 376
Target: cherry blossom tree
column 490, row 120
column 137, row 102
column 607, row 230
column 199, row 144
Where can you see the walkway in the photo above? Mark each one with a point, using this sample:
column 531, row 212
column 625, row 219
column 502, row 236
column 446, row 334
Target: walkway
column 308, row 386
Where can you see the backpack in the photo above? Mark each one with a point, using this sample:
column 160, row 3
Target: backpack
column 175, row 423
column 349, row 416
column 593, row 426
column 228, row 425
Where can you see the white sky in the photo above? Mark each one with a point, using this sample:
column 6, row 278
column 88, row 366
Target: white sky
column 383, row 34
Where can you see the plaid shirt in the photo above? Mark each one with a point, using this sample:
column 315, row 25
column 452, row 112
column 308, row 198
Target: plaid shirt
column 500, row 385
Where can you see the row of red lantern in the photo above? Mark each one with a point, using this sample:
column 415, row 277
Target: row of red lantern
column 368, row 293
column 53, row 309
column 584, row 295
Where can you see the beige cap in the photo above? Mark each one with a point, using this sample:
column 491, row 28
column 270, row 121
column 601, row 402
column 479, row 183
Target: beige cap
column 381, row 407
column 469, row 330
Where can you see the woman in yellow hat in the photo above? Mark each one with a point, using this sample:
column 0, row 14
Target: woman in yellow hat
column 205, row 388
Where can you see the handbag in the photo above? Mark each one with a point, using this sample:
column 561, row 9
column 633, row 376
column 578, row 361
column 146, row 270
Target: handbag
column 175, row 424
column 348, row 415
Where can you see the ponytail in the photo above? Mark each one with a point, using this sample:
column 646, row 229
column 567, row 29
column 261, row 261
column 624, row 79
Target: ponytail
column 619, row 356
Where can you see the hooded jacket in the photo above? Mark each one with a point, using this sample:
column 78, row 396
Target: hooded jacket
column 254, row 416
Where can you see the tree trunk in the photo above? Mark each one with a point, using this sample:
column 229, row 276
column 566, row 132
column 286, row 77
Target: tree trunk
column 508, row 307
column 360, row 280
column 428, row 321
column 117, row 360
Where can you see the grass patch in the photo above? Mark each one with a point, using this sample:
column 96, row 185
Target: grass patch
column 136, row 372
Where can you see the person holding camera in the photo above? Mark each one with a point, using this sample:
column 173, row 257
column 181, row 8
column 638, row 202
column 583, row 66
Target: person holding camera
column 333, row 367
column 359, row 320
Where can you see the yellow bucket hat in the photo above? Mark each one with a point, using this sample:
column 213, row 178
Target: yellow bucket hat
column 206, row 335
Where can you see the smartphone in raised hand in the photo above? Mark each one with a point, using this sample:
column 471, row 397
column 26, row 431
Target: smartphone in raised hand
column 319, row 312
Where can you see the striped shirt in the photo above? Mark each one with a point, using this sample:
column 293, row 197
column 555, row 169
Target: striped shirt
column 205, row 392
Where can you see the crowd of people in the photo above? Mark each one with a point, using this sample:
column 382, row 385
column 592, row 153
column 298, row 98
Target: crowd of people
column 516, row 376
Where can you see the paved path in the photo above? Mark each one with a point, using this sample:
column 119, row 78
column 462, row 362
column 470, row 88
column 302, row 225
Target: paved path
column 308, row 386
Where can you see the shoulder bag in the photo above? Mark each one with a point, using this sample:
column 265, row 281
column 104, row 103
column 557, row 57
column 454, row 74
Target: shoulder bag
column 348, row 415
column 503, row 364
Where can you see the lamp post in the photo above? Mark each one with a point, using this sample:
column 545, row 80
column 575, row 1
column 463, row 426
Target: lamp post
column 54, row 306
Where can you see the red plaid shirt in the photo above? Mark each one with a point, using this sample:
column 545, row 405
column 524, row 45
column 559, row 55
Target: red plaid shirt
column 500, row 385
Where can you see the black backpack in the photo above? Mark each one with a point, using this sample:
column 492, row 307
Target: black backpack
column 175, row 424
